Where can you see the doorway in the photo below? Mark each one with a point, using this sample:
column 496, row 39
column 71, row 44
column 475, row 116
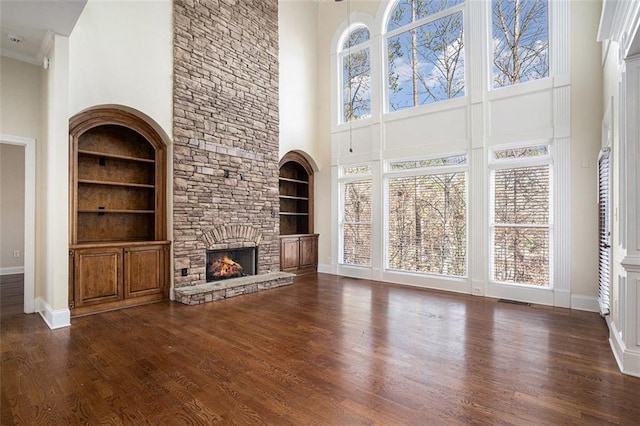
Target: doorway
column 28, row 228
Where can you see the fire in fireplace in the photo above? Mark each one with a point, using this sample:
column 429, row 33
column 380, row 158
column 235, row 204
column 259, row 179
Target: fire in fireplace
column 224, row 264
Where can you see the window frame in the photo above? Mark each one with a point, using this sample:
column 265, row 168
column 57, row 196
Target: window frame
column 389, row 173
column 386, row 35
column 344, row 178
column 343, row 53
column 491, row 52
column 515, row 163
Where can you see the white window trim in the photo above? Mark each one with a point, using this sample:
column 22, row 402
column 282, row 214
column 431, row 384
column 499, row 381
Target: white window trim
column 341, row 55
column 462, row 7
column 490, row 53
column 424, row 171
column 514, row 163
column 342, row 179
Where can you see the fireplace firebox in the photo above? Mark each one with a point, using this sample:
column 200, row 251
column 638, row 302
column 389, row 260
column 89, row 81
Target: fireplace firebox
column 231, row 263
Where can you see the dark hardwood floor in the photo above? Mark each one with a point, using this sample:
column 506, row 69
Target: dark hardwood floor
column 11, row 294
column 327, row 350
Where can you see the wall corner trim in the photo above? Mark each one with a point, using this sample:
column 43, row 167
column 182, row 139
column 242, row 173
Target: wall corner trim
column 53, row 318
column 584, row 303
column 628, row 361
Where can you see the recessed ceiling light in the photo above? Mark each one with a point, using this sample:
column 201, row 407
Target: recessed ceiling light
column 14, row 38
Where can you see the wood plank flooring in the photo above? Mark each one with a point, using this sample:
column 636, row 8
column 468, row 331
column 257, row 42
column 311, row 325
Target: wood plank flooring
column 326, row 350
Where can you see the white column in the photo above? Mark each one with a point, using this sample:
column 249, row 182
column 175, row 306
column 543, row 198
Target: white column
column 625, row 336
column 54, row 307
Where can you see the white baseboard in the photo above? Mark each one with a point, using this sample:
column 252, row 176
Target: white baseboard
column 628, row 361
column 12, row 270
column 54, row 318
column 324, row 268
column 584, row 303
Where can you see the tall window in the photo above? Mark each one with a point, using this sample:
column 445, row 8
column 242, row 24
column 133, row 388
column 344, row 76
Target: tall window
column 520, row 41
column 355, row 59
column 425, row 52
column 355, row 220
column 427, row 216
column 521, row 215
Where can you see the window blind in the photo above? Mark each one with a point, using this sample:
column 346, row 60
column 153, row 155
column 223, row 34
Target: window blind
column 520, row 229
column 604, row 221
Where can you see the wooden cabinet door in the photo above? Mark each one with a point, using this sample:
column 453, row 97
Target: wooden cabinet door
column 309, row 251
column 144, row 270
column 289, row 254
column 97, row 275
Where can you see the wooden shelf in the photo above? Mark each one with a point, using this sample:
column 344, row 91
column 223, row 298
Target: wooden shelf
column 116, row 211
column 115, row 156
column 291, row 197
column 112, row 183
column 294, row 180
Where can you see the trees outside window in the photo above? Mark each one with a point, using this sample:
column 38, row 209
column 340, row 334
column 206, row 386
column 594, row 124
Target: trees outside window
column 427, row 216
column 520, row 41
column 355, row 221
column 521, row 212
column 425, row 53
column 355, row 57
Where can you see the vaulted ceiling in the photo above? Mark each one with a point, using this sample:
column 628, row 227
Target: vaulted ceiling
column 25, row 25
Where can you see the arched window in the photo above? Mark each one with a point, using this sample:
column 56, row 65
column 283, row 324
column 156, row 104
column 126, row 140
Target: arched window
column 520, row 41
column 355, row 63
column 425, row 52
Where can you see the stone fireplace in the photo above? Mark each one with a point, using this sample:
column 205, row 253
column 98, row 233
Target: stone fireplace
column 225, row 132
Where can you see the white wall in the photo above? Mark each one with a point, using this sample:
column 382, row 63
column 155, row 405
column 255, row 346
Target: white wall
column 11, row 207
column 561, row 110
column 298, row 76
column 586, row 126
column 21, row 97
column 121, row 52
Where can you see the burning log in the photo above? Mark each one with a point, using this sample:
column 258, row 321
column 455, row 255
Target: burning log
column 224, row 267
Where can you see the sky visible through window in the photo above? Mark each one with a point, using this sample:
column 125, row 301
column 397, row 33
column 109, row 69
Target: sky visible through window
column 520, row 41
column 425, row 64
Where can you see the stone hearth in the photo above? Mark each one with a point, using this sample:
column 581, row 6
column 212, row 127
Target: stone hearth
column 220, row 290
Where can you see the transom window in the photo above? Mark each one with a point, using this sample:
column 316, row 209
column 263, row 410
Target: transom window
column 425, row 52
column 520, row 41
column 355, row 60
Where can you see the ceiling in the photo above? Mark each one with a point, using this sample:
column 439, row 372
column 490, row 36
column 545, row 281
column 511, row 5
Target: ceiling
column 32, row 20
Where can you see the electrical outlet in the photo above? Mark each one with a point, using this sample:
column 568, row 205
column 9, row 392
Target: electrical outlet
column 16, row 253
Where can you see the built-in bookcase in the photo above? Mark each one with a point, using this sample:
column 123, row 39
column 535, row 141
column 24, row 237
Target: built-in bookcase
column 298, row 243
column 118, row 253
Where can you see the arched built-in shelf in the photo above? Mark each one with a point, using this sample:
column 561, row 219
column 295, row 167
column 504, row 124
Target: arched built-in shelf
column 118, row 253
column 298, row 243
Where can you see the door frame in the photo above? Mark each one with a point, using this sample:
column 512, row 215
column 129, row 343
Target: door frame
column 29, row 145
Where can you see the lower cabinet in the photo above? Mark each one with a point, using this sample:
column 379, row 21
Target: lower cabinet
column 105, row 277
column 299, row 253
